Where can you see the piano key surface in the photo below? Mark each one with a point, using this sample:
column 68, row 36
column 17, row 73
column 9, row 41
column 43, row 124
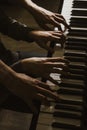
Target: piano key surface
column 68, row 114
column 46, row 120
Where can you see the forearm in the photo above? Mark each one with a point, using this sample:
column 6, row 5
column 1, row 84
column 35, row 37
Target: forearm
column 13, row 28
column 27, row 4
column 31, row 6
column 7, row 75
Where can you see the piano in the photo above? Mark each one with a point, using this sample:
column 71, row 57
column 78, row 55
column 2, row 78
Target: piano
column 70, row 113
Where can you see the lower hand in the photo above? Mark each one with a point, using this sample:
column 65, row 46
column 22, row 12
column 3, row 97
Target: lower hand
column 43, row 67
column 29, row 89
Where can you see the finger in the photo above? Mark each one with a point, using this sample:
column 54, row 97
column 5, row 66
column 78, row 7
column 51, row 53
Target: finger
column 44, row 45
column 62, row 66
column 53, row 81
column 49, row 94
column 57, row 33
column 54, row 38
column 56, row 23
column 35, row 86
column 59, row 15
column 59, row 71
column 56, row 65
column 62, row 20
column 57, row 59
column 44, row 85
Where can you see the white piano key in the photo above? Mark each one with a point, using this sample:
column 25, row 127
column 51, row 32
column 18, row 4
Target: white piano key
column 50, row 109
column 66, row 10
column 47, row 127
column 46, row 120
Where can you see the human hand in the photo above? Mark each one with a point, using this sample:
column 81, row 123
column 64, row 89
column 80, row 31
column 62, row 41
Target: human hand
column 45, row 18
column 29, row 89
column 48, row 20
column 25, row 87
column 43, row 67
column 44, row 37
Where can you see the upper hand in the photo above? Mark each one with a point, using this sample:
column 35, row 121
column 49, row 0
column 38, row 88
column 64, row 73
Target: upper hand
column 48, row 20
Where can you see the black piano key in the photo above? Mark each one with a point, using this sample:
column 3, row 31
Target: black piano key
column 67, row 114
column 80, row 4
column 77, row 66
column 76, row 59
column 70, row 91
column 76, row 108
column 75, row 76
column 77, row 71
column 74, row 53
column 66, row 126
column 76, row 32
column 73, row 43
column 70, row 101
column 79, row 12
column 74, row 47
column 78, row 20
column 71, row 85
column 78, row 24
column 77, row 41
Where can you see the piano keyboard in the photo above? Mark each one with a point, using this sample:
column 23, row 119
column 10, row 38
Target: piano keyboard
column 69, row 114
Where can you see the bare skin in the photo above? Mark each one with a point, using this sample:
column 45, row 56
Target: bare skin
column 43, row 17
column 43, row 37
column 42, row 67
column 25, row 87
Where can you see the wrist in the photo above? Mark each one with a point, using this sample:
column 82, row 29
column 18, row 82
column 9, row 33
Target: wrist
column 6, row 74
column 31, row 6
